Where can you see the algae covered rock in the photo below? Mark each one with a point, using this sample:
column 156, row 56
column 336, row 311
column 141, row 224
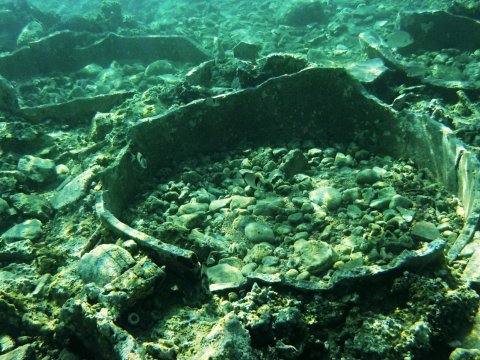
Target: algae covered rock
column 224, row 277
column 134, row 284
column 74, row 189
column 27, row 230
column 32, row 206
column 258, row 232
column 425, row 231
column 295, row 162
column 104, row 264
column 327, row 196
column 37, row 169
column 368, row 177
column 315, row 256
column 228, row 339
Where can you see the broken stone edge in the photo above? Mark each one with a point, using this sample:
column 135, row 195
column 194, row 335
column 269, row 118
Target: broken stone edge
column 75, row 50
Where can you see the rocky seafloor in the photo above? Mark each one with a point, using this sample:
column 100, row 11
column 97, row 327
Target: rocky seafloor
column 302, row 249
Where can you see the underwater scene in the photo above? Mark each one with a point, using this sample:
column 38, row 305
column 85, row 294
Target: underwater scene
column 239, row 180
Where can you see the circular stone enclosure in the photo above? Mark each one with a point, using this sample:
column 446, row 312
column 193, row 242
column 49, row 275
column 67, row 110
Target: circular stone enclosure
column 322, row 105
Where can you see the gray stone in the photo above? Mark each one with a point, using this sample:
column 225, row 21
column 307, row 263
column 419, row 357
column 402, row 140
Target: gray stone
column 224, row 277
column 315, row 256
column 407, row 214
column 228, row 339
column 295, row 163
column 269, row 207
column 247, row 269
column 241, row 202
column 367, row 177
column 104, row 264
column 74, row 189
column 354, row 212
column 350, row 195
column 258, row 232
column 32, row 206
column 191, row 221
column 258, row 252
column 29, row 229
column 283, row 229
column 219, row 204
column 102, row 124
column 400, row 201
column 37, row 169
column 425, row 231
column 295, row 218
column 381, row 203
column 327, row 196
column 192, row 208
column 246, row 51
column 159, row 67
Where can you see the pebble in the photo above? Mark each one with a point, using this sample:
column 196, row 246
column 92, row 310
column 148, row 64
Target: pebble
column 27, row 230
column 315, row 256
column 241, row 202
column 258, row 232
column 249, row 268
column 354, row 212
column 191, row 221
column 292, row 273
column 400, row 201
column 295, row 219
column 73, row 190
column 192, row 208
column 367, row 177
column 258, row 252
column 381, row 203
column 327, row 196
column 295, row 162
column 219, row 204
column 425, row 231
column 269, row 207
column 351, row 195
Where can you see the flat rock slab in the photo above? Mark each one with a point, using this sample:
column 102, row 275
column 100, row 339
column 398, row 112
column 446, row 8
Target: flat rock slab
column 472, row 270
column 223, row 277
column 67, row 51
column 81, row 109
column 73, row 190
